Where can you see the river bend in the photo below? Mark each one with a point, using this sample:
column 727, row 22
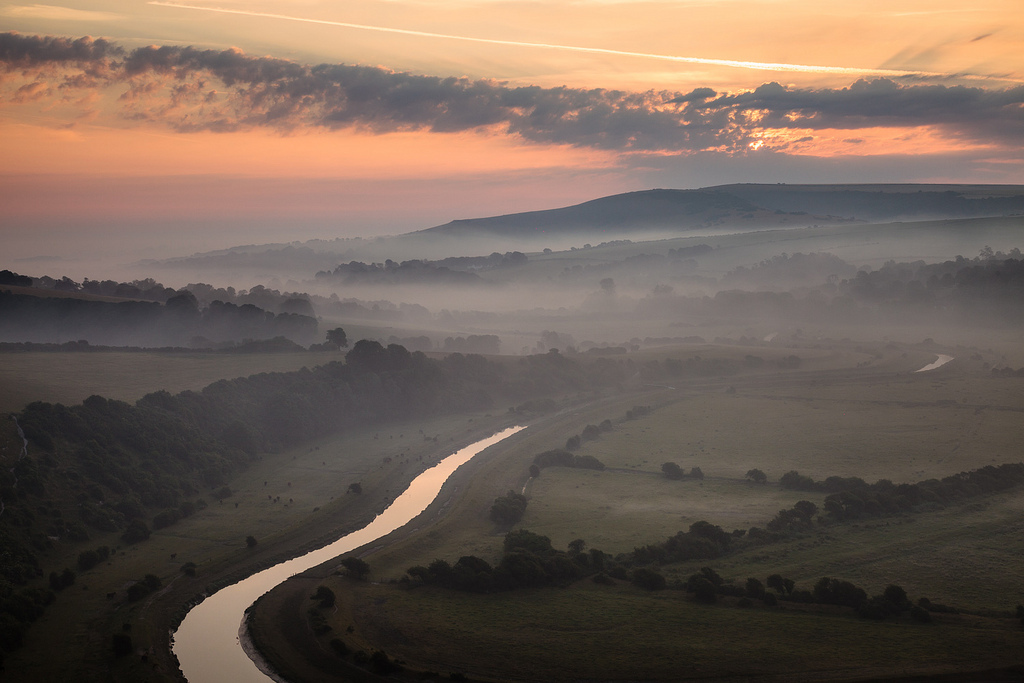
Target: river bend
column 207, row 642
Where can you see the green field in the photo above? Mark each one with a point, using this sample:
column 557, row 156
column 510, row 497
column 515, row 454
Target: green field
column 851, row 411
column 590, row 632
column 310, row 483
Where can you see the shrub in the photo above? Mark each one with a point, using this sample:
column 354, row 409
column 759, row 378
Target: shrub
column 325, row 596
column 356, row 567
column 672, row 470
column 121, row 643
column 508, row 509
column 702, row 589
column 648, row 579
column 88, row 559
column 137, row 591
column 136, row 532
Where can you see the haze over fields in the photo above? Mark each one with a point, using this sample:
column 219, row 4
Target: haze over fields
column 263, row 263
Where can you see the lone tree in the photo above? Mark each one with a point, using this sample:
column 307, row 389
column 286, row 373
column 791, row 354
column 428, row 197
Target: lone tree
column 757, row 476
column 355, row 487
column 250, row 541
column 783, row 585
column 672, row 470
column 508, row 509
column 806, row 509
column 356, row 567
column 337, row 337
column 324, row 595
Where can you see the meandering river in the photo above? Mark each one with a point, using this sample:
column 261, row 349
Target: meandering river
column 207, row 642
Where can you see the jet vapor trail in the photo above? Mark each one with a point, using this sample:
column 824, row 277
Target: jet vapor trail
column 761, row 66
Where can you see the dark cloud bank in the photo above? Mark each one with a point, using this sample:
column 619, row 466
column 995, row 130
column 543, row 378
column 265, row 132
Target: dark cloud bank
column 190, row 89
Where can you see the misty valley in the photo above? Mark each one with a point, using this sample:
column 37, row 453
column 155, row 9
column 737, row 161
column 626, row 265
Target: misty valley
column 769, row 432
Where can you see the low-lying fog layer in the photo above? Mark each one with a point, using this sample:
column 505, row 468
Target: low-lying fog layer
column 621, row 293
column 528, row 282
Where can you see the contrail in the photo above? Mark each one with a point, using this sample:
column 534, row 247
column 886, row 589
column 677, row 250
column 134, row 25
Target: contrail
column 761, row 66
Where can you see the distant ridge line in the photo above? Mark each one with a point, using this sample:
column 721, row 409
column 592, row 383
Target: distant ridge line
column 747, row 206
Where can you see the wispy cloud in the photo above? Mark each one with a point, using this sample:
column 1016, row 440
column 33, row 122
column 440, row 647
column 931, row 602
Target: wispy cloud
column 739, row 64
column 189, row 89
column 55, row 12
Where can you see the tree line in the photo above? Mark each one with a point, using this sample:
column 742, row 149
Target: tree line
column 852, row 497
column 177, row 322
column 110, row 466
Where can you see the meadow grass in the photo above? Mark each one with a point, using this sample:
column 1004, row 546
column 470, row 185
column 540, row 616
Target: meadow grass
column 880, row 420
column 828, row 418
column 967, row 555
column 590, row 632
column 75, row 630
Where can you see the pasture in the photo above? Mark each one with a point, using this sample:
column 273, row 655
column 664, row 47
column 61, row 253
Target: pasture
column 875, row 419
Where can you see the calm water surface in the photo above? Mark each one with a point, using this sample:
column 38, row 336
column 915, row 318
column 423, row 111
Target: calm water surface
column 207, row 642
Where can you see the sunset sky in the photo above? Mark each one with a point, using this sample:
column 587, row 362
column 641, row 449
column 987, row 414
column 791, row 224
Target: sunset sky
column 165, row 128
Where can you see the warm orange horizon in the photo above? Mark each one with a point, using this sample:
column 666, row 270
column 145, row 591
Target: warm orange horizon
column 260, row 120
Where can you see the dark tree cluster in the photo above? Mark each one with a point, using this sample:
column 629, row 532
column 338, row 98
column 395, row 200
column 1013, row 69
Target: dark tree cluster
column 703, row 541
column 491, row 262
column 474, row 343
column 673, row 471
column 8, row 277
column 141, row 589
column 508, row 509
column 1007, row 372
column 797, row 518
column 177, row 322
column 87, row 559
column 589, row 433
column 563, row 458
column 852, row 497
column 528, row 561
column 707, row 586
column 637, row 412
column 390, row 272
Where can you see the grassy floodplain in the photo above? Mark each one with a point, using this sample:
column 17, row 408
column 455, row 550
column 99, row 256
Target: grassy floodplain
column 291, row 502
column 852, row 410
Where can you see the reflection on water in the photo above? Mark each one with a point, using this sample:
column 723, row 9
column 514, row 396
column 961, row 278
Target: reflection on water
column 207, row 643
column 939, row 362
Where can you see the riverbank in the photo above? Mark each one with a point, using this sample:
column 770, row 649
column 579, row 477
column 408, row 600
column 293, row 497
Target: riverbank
column 198, row 634
column 309, row 508
column 455, row 522
column 206, row 644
